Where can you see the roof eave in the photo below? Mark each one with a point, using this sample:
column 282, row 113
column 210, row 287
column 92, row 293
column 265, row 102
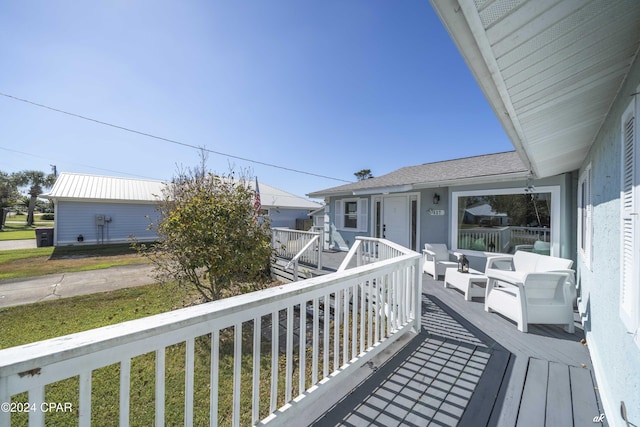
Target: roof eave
column 506, row 177
column 463, row 25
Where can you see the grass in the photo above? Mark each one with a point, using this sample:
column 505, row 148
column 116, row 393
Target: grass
column 40, row 321
column 35, row 322
column 40, row 261
column 29, row 323
column 15, row 227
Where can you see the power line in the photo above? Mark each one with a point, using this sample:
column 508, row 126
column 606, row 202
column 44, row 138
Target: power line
column 78, row 164
column 169, row 140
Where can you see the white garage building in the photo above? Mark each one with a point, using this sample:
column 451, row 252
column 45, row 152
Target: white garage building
column 92, row 209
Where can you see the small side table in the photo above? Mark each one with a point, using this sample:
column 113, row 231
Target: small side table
column 473, row 283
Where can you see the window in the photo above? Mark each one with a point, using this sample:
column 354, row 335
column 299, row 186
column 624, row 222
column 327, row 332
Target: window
column 351, row 214
column 629, row 259
column 585, row 209
column 507, row 220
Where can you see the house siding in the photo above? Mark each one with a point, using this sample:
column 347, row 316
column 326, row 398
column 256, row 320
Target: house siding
column 285, row 217
column 340, row 239
column 437, row 228
column 74, row 218
column 434, row 228
column 615, row 356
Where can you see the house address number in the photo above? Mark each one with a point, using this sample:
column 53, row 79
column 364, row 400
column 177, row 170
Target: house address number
column 436, row 211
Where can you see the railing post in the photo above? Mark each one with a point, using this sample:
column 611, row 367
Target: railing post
column 320, row 248
column 417, row 295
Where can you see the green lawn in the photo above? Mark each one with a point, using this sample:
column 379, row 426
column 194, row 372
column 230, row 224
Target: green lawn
column 29, row 323
column 64, row 259
column 14, row 231
column 16, row 228
column 35, row 322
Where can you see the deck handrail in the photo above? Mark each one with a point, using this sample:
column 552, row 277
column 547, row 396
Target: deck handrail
column 366, row 250
column 370, row 306
column 289, row 244
column 303, row 250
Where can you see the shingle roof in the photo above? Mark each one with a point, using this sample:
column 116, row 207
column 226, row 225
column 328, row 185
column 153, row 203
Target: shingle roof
column 448, row 172
column 108, row 188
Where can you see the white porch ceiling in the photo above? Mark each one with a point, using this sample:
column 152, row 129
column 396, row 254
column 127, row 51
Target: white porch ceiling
column 550, row 68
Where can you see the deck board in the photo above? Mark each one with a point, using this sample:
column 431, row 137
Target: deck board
column 468, row 367
column 534, row 396
column 479, row 411
column 559, row 410
column 583, row 396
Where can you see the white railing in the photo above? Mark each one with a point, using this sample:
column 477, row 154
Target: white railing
column 295, row 260
column 367, row 250
column 346, row 317
column 500, row 239
column 490, row 240
column 528, row 235
column 289, row 243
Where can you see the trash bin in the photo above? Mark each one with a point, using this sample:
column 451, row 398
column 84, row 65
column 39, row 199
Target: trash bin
column 44, row 237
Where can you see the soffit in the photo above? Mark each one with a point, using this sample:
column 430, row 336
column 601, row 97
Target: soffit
column 550, row 68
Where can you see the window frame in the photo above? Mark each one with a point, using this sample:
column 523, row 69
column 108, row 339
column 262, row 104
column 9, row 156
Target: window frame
column 585, row 217
column 554, row 190
column 361, row 214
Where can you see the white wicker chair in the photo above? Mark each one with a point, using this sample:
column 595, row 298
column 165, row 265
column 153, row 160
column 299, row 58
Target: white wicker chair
column 437, row 258
column 542, row 298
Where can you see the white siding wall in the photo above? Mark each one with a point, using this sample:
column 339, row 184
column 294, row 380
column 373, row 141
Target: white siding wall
column 74, row 218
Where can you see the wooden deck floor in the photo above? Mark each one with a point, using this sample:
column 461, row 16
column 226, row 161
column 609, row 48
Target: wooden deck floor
column 468, row 367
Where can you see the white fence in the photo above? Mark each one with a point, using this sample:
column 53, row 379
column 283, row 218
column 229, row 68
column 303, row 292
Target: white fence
column 297, row 341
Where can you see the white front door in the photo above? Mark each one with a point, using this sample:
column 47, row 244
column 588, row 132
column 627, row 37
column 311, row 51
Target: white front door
column 395, row 220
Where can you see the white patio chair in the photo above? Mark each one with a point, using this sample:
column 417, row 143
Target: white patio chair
column 437, row 258
column 540, row 298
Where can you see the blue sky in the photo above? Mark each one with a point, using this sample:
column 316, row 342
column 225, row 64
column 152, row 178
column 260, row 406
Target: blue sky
column 328, row 88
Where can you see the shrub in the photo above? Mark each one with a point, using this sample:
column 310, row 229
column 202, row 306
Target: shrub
column 210, row 238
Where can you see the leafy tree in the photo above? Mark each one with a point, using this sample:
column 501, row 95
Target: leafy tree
column 523, row 209
column 8, row 195
column 36, row 180
column 209, row 236
column 363, row 174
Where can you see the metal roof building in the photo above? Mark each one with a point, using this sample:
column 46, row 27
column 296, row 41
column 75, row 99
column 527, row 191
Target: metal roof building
column 106, row 209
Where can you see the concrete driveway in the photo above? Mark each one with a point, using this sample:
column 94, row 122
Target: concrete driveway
column 7, row 245
column 55, row 286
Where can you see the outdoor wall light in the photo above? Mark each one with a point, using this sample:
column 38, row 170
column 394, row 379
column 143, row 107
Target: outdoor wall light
column 436, row 198
column 530, row 188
